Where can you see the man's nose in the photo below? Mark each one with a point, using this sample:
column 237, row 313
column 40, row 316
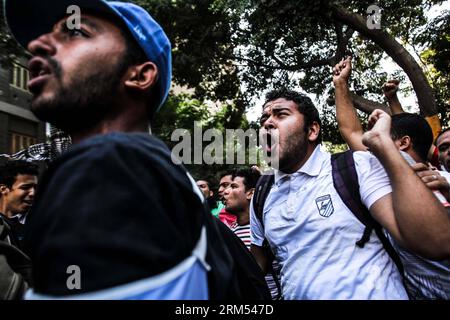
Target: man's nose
column 44, row 45
column 269, row 124
column 32, row 192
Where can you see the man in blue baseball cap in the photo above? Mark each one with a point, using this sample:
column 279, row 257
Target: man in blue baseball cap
column 80, row 76
column 113, row 213
column 114, row 217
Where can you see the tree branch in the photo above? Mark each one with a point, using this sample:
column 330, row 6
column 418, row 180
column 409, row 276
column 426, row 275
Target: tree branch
column 342, row 41
column 397, row 52
column 281, row 66
column 363, row 104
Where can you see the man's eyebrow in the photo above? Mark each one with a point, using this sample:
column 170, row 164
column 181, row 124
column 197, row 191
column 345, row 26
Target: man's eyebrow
column 280, row 108
column 28, row 185
column 91, row 24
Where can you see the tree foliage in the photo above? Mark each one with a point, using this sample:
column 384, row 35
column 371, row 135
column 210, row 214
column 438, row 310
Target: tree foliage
column 436, row 39
column 231, row 51
column 181, row 112
column 237, row 49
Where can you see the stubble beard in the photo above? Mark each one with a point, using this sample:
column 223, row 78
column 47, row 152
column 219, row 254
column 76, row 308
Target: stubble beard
column 294, row 152
column 81, row 104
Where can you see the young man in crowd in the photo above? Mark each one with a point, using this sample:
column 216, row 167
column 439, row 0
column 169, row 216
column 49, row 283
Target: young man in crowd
column 18, row 180
column 225, row 180
column 443, row 145
column 237, row 201
column 238, row 197
column 310, row 230
column 208, row 194
column 412, row 135
column 113, row 212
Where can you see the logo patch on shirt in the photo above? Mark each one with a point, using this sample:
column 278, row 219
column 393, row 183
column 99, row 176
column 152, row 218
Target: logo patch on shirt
column 325, row 206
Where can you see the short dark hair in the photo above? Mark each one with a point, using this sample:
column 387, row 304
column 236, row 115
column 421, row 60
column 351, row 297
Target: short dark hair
column 12, row 168
column 250, row 176
column 227, row 173
column 417, row 128
column 440, row 134
column 304, row 104
column 206, row 180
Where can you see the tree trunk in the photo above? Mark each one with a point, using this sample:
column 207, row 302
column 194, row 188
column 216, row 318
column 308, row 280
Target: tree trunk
column 397, row 52
column 366, row 105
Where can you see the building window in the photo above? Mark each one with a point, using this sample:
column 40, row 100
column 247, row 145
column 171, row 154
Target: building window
column 20, row 142
column 20, row 77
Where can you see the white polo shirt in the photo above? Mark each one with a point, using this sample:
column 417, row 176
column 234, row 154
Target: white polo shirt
column 313, row 234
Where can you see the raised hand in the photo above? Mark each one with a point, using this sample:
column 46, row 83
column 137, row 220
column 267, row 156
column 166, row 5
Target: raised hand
column 342, row 71
column 390, row 89
column 432, row 178
column 380, row 129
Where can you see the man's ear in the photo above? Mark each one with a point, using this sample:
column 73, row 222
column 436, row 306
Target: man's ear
column 249, row 194
column 314, row 131
column 405, row 143
column 3, row 189
column 142, row 77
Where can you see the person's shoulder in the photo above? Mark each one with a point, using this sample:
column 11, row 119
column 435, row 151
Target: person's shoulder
column 366, row 159
column 120, row 152
column 367, row 165
column 127, row 141
column 121, row 146
column 361, row 156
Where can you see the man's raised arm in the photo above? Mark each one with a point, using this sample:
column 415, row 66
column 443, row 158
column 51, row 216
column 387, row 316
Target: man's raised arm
column 346, row 116
column 411, row 214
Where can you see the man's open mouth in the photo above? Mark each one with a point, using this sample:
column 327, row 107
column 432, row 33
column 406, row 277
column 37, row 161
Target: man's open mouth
column 39, row 70
column 268, row 143
column 28, row 202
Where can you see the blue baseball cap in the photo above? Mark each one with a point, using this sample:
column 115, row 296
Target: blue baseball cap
column 29, row 19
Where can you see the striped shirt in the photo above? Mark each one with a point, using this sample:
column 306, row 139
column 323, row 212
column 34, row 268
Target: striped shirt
column 242, row 232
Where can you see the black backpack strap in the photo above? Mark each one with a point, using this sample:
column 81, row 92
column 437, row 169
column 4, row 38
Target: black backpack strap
column 389, row 248
column 345, row 181
column 262, row 190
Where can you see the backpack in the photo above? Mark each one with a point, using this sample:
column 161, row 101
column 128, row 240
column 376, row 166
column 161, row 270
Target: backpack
column 234, row 274
column 345, row 181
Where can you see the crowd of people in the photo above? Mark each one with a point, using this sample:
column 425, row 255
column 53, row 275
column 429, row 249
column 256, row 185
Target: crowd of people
column 369, row 223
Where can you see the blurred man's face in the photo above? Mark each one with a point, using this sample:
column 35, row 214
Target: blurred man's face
column 223, row 184
column 443, row 145
column 204, row 188
column 19, row 198
column 237, row 200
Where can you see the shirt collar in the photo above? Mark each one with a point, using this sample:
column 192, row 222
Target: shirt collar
column 20, row 217
column 312, row 166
